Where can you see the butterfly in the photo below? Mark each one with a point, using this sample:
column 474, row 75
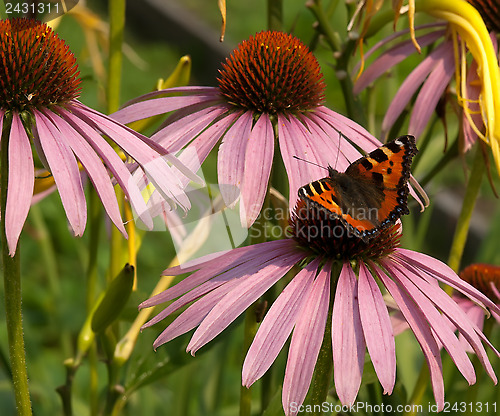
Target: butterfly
column 371, row 194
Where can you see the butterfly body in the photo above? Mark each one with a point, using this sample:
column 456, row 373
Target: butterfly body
column 371, row 194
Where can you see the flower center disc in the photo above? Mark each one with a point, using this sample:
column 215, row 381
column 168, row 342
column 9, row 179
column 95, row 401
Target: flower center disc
column 270, row 73
column 37, row 68
column 316, row 230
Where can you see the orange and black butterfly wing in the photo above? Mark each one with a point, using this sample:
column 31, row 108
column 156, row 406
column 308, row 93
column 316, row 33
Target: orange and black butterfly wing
column 337, row 201
column 386, row 171
column 372, row 193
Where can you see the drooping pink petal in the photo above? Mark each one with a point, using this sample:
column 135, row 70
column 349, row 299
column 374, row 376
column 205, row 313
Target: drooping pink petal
column 198, row 150
column 158, row 171
column 422, row 333
column 377, row 329
column 152, row 107
column 239, row 299
column 474, row 313
column 440, row 271
column 94, row 168
column 237, row 254
column 258, row 162
column 393, row 36
column 221, row 263
column 231, row 158
column 194, row 315
column 232, row 272
column 431, row 92
column 410, row 85
column 336, row 151
column 347, row 338
column 64, row 168
column 113, row 162
column 435, row 320
column 20, row 182
column 277, row 325
column 187, row 90
column 293, row 143
column 306, row 341
column 350, row 130
column 182, row 130
column 391, row 58
column 455, row 314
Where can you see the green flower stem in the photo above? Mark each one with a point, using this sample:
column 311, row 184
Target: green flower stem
column 471, row 193
column 12, row 290
column 249, row 333
column 419, row 390
column 343, row 54
column 94, row 232
column 116, row 28
column 275, row 14
column 118, row 250
column 324, row 368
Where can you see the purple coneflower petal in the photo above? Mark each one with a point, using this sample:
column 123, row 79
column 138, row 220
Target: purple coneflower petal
column 306, row 341
column 436, row 321
column 422, row 333
column 148, row 108
column 336, row 151
column 350, row 129
column 292, row 143
column 200, row 147
column 188, row 123
column 392, row 57
column 159, row 173
column 393, row 36
column 64, row 168
column 231, row 158
column 94, row 168
column 20, row 182
column 188, row 90
column 239, row 299
column 113, row 162
column 377, row 329
column 258, row 162
column 194, row 315
column 474, row 313
column 347, row 338
column 456, row 315
column 410, row 85
column 431, row 92
column 237, row 271
column 445, row 274
column 277, row 325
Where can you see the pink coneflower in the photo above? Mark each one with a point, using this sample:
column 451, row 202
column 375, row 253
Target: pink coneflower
column 222, row 288
column 476, row 83
column 39, row 86
column 270, row 93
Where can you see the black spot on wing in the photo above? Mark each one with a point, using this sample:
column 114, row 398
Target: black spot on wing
column 366, row 164
column 378, row 177
column 379, row 155
column 394, row 147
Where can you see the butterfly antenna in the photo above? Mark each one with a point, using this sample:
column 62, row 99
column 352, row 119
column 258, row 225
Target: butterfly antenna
column 338, row 150
column 308, row 161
